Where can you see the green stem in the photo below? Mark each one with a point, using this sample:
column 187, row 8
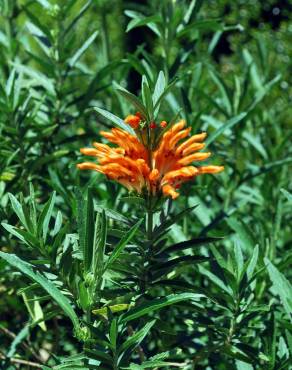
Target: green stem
column 149, row 224
column 148, row 253
column 88, row 315
column 232, row 327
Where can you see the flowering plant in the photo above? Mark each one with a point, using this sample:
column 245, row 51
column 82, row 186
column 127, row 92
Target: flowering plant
column 143, row 262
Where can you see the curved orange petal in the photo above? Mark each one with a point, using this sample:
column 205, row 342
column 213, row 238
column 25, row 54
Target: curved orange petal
column 169, row 190
column 194, row 157
column 210, row 169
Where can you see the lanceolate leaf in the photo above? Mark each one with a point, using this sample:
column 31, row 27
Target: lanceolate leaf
column 133, row 100
column 19, row 211
column 135, row 339
column 282, row 287
column 83, row 48
column 287, row 194
column 244, row 234
column 114, row 119
column 159, row 303
column 121, row 245
column 228, row 125
column 47, row 285
column 159, row 87
column 170, row 221
column 86, row 226
column 99, row 245
column 78, row 16
column 22, row 235
column 45, row 216
column 192, row 243
column 24, row 332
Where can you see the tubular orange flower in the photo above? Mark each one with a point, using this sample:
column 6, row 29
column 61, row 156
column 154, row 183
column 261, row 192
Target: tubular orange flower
column 158, row 172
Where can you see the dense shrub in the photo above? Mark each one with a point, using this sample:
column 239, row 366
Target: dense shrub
column 92, row 276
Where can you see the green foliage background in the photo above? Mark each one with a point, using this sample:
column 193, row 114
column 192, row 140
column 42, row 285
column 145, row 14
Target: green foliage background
column 58, row 60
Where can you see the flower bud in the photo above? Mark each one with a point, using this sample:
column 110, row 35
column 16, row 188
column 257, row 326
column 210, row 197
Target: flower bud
column 133, row 120
column 163, row 124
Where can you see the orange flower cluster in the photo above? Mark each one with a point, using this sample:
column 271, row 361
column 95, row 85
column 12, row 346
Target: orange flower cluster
column 158, row 172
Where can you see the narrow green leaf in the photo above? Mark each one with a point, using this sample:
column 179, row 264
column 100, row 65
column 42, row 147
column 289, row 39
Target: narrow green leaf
column 114, row 215
column 282, row 286
column 170, row 221
column 89, row 231
column 266, row 168
column 140, row 20
column 100, row 236
column 113, row 333
column 256, row 143
column 287, row 194
column 99, row 355
column 45, row 216
column 256, row 78
column 147, row 98
column 225, row 92
column 262, row 92
column 116, row 120
column 243, row 233
column 122, row 244
column 228, row 125
column 150, row 21
column 47, row 285
column 157, row 304
column 73, row 60
column 78, row 16
column 189, row 12
column 22, row 235
column 196, row 242
column 252, row 262
column 34, row 308
column 20, row 337
column 44, row 3
column 37, row 78
column 133, row 100
column 38, row 23
column 215, row 279
column 58, row 223
column 159, row 87
column 81, row 221
column 238, row 258
column 17, row 208
column 135, row 339
column 163, row 95
column 173, row 263
column 204, row 25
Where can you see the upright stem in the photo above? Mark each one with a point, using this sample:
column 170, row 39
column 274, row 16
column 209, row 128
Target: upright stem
column 149, row 224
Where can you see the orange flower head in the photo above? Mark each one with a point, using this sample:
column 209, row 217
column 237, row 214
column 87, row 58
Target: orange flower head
column 163, row 124
column 156, row 173
column 133, row 120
